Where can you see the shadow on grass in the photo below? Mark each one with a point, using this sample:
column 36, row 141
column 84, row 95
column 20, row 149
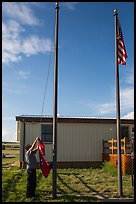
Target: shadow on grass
column 97, row 193
column 11, row 186
column 67, row 193
column 68, row 186
column 76, row 198
column 94, row 194
column 64, row 197
column 77, row 194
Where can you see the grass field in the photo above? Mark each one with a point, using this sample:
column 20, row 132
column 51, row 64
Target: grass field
column 11, row 151
column 73, row 185
column 9, row 160
column 12, row 155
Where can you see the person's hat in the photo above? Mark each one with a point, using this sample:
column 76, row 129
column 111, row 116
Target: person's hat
column 27, row 146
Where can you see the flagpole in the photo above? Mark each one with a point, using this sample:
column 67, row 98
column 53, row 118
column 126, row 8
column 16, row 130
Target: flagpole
column 54, row 177
column 118, row 111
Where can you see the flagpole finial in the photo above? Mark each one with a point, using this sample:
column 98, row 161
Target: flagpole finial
column 57, row 4
column 115, row 10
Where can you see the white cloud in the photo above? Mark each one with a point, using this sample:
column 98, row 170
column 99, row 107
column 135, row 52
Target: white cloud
column 34, row 45
column 24, row 75
column 9, row 136
column 10, row 41
column 106, row 108
column 12, row 88
column 101, row 108
column 129, row 76
column 13, row 45
column 129, row 116
column 69, row 5
column 9, row 118
column 127, row 98
column 9, row 57
column 19, row 11
column 109, row 107
column 126, row 103
column 9, row 132
column 12, row 27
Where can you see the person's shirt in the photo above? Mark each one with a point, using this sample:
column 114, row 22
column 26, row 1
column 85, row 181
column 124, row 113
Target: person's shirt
column 31, row 159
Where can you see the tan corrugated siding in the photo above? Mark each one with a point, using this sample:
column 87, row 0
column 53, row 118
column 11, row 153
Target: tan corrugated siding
column 21, row 141
column 33, row 130
column 75, row 141
column 48, row 148
column 82, row 142
column 18, row 130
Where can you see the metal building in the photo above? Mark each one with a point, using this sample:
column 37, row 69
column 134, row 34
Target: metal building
column 79, row 139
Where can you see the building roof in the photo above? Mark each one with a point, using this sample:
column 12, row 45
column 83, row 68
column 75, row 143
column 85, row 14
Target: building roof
column 70, row 119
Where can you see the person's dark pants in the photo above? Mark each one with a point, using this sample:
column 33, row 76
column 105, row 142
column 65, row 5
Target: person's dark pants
column 31, row 183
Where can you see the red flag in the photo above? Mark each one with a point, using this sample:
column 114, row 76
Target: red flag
column 45, row 166
column 122, row 54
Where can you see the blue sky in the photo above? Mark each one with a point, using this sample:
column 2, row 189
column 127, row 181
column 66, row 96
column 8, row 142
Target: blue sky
column 86, row 68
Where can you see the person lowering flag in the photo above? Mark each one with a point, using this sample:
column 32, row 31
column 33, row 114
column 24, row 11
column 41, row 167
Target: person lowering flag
column 32, row 165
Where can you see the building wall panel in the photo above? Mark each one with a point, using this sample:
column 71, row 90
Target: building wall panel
column 21, row 141
column 75, row 141
column 82, row 142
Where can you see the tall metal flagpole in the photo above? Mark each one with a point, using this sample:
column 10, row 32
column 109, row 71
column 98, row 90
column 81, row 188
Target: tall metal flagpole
column 118, row 112
column 54, row 180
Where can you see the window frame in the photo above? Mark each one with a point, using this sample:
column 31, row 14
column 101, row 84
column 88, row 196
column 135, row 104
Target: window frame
column 43, row 134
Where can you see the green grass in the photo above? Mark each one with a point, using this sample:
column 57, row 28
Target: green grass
column 73, row 185
column 9, row 160
column 11, row 151
column 107, row 167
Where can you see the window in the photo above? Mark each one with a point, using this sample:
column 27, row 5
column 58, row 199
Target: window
column 47, row 133
column 124, row 132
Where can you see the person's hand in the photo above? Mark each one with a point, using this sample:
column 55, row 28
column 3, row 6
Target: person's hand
column 37, row 138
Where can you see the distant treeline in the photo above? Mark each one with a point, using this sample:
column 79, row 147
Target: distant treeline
column 10, row 142
column 10, row 145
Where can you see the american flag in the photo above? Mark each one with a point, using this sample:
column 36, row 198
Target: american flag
column 122, row 54
column 45, row 166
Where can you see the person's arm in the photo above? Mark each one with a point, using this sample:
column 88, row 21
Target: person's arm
column 33, row 145
column 35, row 150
